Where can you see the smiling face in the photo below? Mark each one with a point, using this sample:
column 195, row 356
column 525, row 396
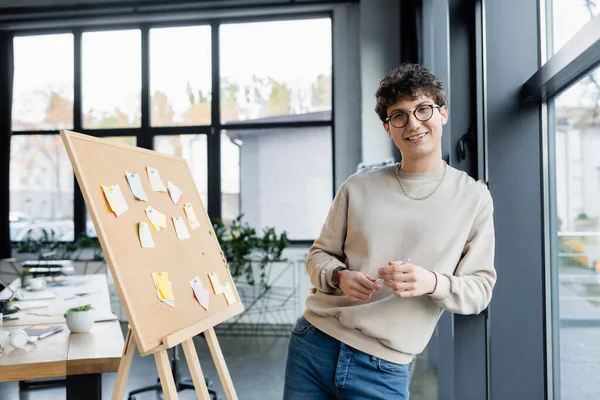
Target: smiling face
column 417, row 140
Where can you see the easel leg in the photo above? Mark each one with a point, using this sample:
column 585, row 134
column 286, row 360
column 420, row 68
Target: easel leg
column 124, row 366
column 195, row 371
column 217, row 355
column 166, row 375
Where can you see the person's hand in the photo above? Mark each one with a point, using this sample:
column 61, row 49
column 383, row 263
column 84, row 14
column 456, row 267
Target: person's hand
column 357, row 286
column 407, row 280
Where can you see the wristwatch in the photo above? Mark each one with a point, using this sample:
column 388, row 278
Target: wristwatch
column 335, row 277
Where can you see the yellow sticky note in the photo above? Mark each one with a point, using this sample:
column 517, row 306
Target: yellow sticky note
column 157, row 219
column 115, row 199
column 155, row 182
column 215, row 282
column 180, row 228
column 161, row 281
column 145, row 235
column 229, row 295
column 191, row 216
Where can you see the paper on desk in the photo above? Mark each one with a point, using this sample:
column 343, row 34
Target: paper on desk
column 215, row 282
column 115, row 199
column 145, row 235
column 157, row 219
column 202, row 294
column 135, row 185
column 155, row 182
column 191, row 216
column 228, row 292
column 175, row 192
column 31, row 305
column 180, row 228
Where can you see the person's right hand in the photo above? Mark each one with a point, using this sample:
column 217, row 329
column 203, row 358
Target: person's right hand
column 358, row 286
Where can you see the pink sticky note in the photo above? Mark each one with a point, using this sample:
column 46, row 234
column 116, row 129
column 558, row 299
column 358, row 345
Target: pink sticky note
column 202, row 294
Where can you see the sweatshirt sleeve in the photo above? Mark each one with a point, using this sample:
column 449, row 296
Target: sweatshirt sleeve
column 327, row 252
column 469, row 289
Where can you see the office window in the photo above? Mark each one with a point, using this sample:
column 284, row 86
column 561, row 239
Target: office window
column 43, row 82
column 194, row 150
column 568, row 18
column 180, row 76
column 280, row 178
column 577, row 255
column 41, row 189
column 111, row 79
column 275, row 69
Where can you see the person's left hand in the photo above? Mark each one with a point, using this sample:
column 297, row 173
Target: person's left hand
column 407, row 280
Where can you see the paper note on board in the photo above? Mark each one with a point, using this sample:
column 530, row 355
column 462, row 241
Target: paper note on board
column 191, row 216
column 115, row 199
column 156, row 183
column 135, row 185
column 229, row 295
column 215, row 282
column 145, row 235
column 157, row 219
column 202, row 294
column 180, row 228
column 175, row 193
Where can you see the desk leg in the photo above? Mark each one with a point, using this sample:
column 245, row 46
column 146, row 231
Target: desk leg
column 88, row 386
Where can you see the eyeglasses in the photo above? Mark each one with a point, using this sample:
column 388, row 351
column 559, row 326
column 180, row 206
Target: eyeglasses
column 422, row 113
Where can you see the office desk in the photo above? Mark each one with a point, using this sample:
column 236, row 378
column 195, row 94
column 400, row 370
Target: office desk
column 80, row 357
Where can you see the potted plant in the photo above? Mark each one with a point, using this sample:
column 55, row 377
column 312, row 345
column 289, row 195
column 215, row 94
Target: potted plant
column 247, row 253
column 27, row 275
column 80, row 319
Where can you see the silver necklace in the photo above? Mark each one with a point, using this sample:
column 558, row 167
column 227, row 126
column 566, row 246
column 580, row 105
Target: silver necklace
column 397, row 173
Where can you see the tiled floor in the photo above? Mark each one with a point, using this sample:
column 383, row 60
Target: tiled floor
column 256, row 365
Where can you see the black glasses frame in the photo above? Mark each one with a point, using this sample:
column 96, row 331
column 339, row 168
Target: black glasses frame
column 414, row 113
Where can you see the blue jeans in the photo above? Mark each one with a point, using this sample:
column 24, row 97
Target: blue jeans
column 320, row 367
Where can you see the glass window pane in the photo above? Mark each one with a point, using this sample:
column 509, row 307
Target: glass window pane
column 180, row 76
column 271, row 69
column 111, row 79
column 569, row 16
column 43, row 82
column 41, row 188
column 193, row 149
column 279, row 178
column 90, row 229
column 577, row 133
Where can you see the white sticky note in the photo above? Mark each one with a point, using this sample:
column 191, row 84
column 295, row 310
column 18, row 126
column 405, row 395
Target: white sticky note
column 145, row 235
column 157, row 219
column 180, row 228
column 175, row 192
column 229, row 295
column 191, row 216
column 215, row 282
column 115, row 199
column 135, row 185
column 156, row 183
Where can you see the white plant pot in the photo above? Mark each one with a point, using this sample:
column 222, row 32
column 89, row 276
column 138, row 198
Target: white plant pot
column 80, row 321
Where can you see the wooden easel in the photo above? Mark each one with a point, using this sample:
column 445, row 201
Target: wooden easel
column 164, row 368
column 156, row 327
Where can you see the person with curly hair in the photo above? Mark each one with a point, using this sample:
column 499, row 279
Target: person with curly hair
column 401, row 244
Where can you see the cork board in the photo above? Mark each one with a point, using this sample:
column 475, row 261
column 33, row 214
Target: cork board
column 98, row 162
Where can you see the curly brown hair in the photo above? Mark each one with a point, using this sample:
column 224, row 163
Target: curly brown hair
column 408, row 82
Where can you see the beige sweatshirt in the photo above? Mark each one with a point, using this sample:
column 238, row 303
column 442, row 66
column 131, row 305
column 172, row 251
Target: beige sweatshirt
column 372, row 222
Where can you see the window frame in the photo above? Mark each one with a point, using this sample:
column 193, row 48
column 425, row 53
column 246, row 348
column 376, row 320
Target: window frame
column 145, row 133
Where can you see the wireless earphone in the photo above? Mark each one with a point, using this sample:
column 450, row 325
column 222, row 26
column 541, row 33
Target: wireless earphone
column 443, row 120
